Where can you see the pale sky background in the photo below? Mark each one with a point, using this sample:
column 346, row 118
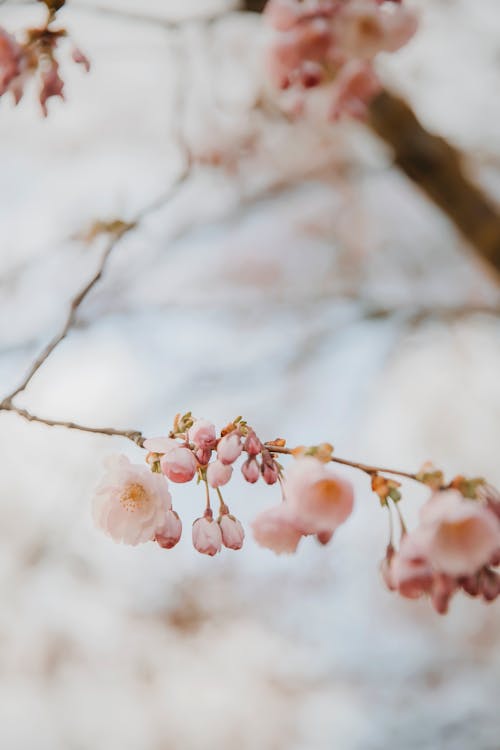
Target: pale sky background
column 298, row 291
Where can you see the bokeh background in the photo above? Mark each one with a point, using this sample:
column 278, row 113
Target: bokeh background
column 295, row 278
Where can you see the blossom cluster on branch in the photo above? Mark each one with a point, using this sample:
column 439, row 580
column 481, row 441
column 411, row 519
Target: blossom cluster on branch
column 335, row 42
column 35, row 55
column 455, row 546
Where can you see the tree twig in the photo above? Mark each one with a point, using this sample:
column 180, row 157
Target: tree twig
column 119, row 230
column 437, row 168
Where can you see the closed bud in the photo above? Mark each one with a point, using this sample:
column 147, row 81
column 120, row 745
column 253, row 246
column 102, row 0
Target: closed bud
column 207, row 536
column 218, row 474
column 170, row 531
column 229, row 448
column 252, row 444
column 250, row 470
column 232, row 531
column 179, row 464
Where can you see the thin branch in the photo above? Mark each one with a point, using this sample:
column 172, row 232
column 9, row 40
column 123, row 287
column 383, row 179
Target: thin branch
column 366, row 468
column 120, row 229
column 134, row 435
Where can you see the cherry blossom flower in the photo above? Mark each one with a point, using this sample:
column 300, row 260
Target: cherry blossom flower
column 410, row 571
column 232, row 531
column 275, row 529
column 460, row 535
column 207, row 535
column 218, row 474
column 269, row 468
column 131, row 502
column 229, row 448
column 320, row 499
column 169, row 533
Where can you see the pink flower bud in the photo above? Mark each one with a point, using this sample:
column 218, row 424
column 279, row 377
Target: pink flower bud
column 252, row 444
column 207, row 536
column 269, row 468
column 443, row 588
column 324, row 537
column 250, row 470
column 203, row 455
column 232, row 531
column 275, row 529
column 229, row 448
column 80, row 58
column 170, row 531
column 179, row 464
column 471, row 584
column 489, row 584
column 202, row 434
column 218, row 474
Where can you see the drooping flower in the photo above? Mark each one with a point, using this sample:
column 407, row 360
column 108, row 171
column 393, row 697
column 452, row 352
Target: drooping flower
column 232, row 531
column 410, row 571
column 51, row 85
column 169, row 533
column 207, row 535
column 218, row 474
column 252, row 444
column 229, row 448
column 269, row 468
column 276, row 530
column 250, row 470
column 320, row 499
column 460, row 535
column 131, row 502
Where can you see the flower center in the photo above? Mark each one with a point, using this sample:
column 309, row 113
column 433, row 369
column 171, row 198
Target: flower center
column 134, row 497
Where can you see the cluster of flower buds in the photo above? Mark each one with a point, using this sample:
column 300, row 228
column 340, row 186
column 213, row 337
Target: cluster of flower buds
column 455, row 546
column 134, row 505
column 35, row 56
column 335, row 42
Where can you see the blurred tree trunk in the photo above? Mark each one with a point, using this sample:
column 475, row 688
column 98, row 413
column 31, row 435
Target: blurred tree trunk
column 255, row 6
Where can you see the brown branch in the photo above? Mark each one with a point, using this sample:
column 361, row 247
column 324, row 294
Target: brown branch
column 133, row 435
column 366, row 468
column 119, row 230
column 437, row 168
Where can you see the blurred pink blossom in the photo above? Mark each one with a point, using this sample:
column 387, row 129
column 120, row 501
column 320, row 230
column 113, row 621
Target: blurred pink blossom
column 169, row 533
column 229, row 448
column 276, row 530
column 218, row 474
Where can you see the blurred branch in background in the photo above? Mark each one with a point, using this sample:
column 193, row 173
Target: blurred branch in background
column 436, row 167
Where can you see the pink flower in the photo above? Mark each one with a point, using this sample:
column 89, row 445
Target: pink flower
column 11, row 60
column 250, row 470
column 410, row 571
column 232, row 531
column 320, row 499
column 353, row 90
column 207, row 535
column 218, row 474
column 52, row 85
column 179, row 464
column 363, row 29
column 443, row 588
column 229, row 448
column 252, row 444
column 269, row 468
column 202, row 434
column 324, row 537
column 131, row 502
column 160, row 444
column 203, row 455
column 275, row 529
column 169, row 533
column 460, row 535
